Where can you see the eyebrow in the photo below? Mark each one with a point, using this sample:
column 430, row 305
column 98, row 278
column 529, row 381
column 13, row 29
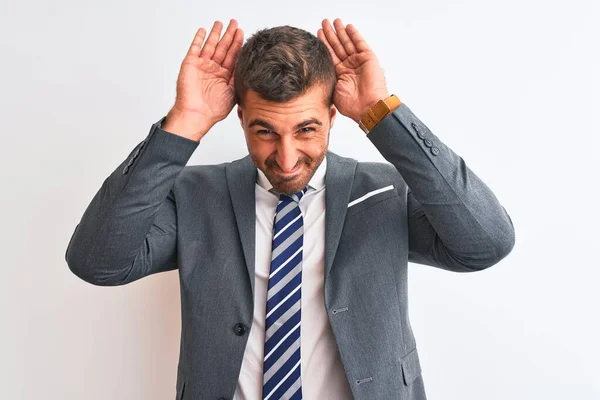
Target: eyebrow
column 265, row 124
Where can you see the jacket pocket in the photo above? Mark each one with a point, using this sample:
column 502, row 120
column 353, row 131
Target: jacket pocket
column 411, row 367
column 370, row 199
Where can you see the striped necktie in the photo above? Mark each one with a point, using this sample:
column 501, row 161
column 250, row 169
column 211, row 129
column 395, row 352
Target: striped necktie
column 281, row 368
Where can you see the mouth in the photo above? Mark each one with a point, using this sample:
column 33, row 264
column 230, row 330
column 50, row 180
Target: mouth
column 279, row 171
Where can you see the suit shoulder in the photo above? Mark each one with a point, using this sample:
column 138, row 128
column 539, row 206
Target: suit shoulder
column 211, row 174
column 376, row 168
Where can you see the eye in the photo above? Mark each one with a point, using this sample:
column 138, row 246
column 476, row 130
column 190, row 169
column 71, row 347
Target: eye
column 264, row 132
column 309, row 129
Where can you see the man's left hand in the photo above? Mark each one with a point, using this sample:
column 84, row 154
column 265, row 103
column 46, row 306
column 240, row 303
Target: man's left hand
column 360, row 80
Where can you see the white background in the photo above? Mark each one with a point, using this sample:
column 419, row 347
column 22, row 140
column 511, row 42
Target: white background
column 511, row 86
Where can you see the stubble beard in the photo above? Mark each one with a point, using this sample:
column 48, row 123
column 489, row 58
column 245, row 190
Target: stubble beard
column 295, row 183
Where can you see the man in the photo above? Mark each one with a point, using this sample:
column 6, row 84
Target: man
column 292, row 260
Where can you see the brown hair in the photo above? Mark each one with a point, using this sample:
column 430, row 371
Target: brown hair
column 281, row 63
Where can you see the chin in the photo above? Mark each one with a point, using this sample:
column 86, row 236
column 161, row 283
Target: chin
column 288, row 186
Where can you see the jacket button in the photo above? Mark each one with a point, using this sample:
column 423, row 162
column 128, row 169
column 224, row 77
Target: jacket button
column 239, row 329
column 435, row 151
column 428, row 143
column 416, row 128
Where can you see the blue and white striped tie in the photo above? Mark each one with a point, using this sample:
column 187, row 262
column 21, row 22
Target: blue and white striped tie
column 281, row 368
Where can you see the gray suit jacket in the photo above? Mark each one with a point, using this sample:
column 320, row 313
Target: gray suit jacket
column 154, row 214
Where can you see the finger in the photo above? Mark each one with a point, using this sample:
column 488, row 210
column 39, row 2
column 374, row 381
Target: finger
column 211, row 43
column 321, row 35
column 196, row 45
column 359, row 42
column 225, row 42
column 234, row 51
column 333, row 40
column 343, row 36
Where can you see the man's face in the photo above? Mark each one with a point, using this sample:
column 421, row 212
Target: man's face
column 287, row 141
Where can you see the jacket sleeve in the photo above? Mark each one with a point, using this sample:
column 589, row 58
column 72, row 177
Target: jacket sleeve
column 455, row 221
column 129, row 229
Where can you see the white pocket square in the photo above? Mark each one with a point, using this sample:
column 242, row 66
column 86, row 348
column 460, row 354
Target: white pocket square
column 372, row 193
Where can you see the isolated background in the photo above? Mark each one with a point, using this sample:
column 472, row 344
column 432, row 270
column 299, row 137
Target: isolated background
column 511, row 86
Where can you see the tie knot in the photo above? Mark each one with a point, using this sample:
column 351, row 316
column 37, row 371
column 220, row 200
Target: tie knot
column 295, row 197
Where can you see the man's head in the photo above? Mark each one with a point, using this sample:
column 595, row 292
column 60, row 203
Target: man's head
column 284, row 82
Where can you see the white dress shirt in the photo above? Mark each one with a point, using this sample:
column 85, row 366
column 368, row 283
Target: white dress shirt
column 322, row 372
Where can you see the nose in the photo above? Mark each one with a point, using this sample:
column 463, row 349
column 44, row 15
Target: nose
column 287, row 156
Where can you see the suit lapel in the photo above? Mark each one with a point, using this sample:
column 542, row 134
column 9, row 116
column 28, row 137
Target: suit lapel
column 241, row 180
column 338, row 185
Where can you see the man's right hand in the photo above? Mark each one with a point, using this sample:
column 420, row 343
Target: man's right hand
column 205, row 93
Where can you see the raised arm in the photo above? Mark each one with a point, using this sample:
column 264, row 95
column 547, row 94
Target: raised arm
column 455, row 221
column 129, row 230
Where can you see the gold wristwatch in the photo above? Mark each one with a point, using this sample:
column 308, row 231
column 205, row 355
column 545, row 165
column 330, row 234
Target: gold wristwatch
column 378, row 112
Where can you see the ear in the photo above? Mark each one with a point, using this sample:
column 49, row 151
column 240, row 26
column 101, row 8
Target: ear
column 240, row 115
column 332, row 115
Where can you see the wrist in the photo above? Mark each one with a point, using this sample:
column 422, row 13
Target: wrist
column 187, row 124
column 369, row 102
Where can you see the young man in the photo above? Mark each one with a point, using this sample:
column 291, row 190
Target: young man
column 292, row 260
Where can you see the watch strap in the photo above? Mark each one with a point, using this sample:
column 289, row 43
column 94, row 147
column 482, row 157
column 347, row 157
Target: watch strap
column 378, row 112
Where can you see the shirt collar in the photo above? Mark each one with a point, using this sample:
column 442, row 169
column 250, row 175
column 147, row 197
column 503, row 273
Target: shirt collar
column 316, row 182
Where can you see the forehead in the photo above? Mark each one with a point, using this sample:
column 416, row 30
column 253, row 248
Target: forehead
column 312, row 103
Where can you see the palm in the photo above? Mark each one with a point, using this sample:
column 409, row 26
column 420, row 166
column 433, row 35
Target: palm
column 203, row 87
column 205, row 84
column 358, row 77
column 360, row 80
